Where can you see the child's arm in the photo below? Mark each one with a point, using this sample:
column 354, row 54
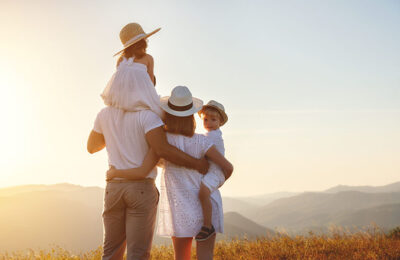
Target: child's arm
column 220, row 160
column 149, row 162
column 150, row 68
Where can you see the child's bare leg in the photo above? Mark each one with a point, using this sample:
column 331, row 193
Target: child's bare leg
column 206, row 206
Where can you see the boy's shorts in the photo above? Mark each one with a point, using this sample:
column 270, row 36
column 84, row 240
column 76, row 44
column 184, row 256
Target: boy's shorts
column 213, row 179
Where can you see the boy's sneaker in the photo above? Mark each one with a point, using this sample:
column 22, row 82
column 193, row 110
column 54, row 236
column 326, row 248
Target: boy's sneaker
column 205, row 233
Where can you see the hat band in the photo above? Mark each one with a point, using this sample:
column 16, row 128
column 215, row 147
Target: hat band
column 180, row 108
column 134, row 39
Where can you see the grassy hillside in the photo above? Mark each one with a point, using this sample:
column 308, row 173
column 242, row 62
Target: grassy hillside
column 339, row 245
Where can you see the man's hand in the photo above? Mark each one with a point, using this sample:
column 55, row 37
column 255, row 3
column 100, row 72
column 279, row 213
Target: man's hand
column 202, row 166
column 110, row 173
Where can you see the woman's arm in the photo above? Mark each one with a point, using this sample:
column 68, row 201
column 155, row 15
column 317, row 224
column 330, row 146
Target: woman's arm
column 149, row 162
column 220, row 160
column 95, row 142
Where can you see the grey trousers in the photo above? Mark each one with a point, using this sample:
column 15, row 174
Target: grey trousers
column 129, row 218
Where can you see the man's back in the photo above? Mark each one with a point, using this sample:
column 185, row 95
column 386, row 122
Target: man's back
column 125, row 135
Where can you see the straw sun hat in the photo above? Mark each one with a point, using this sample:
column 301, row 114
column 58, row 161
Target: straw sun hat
column 131, row 34
column 219, row 107
column 181, row 103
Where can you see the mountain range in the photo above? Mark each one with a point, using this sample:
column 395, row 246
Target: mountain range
column 41, row 216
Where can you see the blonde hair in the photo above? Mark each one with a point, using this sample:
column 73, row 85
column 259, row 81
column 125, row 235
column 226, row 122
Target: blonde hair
column 210, row 111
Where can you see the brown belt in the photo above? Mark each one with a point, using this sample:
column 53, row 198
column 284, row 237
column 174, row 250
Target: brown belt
column 149, row 180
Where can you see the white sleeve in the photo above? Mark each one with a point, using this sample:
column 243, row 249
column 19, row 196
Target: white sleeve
column 219, row 144
column 206, row 143
column 97, row 123
column 216, row 138
column 150, row 121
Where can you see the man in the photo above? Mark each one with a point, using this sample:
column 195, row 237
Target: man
column 130, row 206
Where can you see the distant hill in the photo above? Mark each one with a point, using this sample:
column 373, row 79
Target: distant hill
column 9, row 191
column 237, row 224
column 237, row 205
column 321, row 209
column 387, row 215
column 243, row 205
column 393, row 187
column 262, row 200
column 41, row 216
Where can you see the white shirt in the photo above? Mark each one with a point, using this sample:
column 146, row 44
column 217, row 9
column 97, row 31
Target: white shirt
column 125, row 136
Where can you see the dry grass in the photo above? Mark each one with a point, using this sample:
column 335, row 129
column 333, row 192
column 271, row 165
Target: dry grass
column 337, row 245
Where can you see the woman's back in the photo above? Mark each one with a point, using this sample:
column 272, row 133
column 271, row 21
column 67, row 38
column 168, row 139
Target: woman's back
column 195, row 146
column 179, row 207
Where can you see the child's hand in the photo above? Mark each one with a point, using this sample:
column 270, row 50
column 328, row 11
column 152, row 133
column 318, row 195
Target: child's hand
column 110, row 173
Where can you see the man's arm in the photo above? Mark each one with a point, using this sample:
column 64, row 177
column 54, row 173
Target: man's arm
column 157, row 140
column 95, row 142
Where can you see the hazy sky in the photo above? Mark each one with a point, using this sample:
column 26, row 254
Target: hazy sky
column 312, row 88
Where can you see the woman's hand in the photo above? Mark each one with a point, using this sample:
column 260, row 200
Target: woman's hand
column 111, row 173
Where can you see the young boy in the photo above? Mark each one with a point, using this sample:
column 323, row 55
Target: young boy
column 214, row 116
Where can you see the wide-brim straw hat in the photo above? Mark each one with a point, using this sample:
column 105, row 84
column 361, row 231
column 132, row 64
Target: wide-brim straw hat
column 219, row 107
column 181, row 103
column 131, row 34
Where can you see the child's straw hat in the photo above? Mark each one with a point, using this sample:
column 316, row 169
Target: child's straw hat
column 219, row 107
column 131, row 34
column 181, row 103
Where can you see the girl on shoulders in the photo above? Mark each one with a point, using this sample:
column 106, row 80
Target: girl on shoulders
column 134, row 74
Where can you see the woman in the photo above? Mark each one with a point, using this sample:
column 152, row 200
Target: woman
column 180, row 214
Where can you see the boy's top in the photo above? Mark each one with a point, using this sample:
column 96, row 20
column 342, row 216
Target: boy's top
column 215, row 136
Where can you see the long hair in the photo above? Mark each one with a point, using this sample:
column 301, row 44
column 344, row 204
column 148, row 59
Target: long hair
column 180, row 125
column 137, row 50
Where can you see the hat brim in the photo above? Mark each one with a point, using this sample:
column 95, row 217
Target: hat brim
column 197, row 105
column 147, row 35
column 222, row 113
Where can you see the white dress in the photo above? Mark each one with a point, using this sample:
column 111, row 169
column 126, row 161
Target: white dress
column 131, row 89
column 180, row 212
